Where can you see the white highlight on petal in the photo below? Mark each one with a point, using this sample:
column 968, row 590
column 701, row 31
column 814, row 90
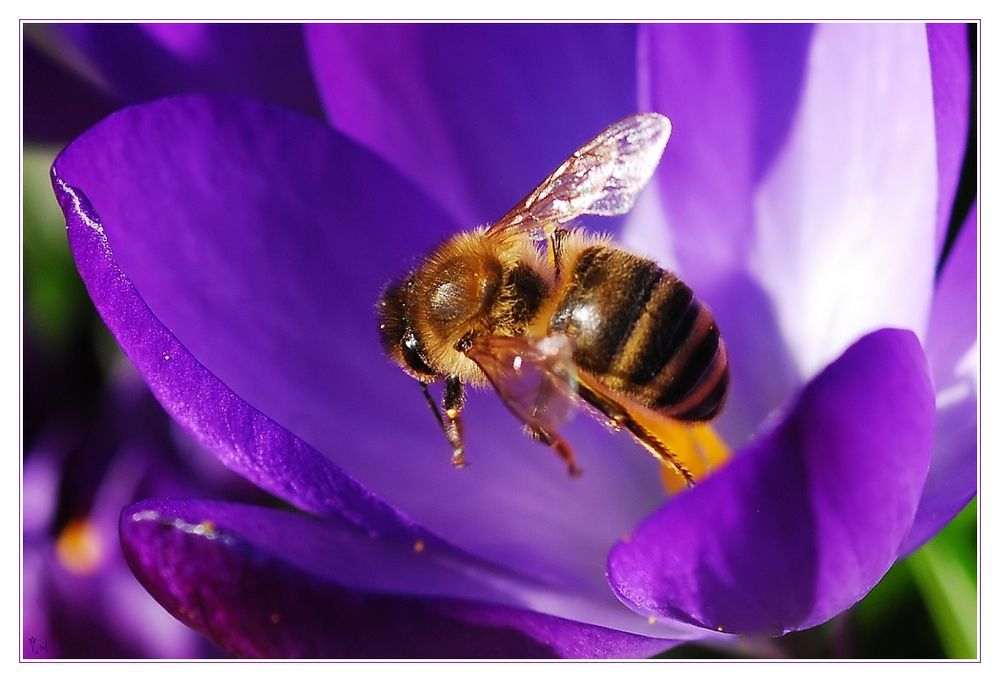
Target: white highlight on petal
column 966, row 380
column 846, row 216
column 78, row 209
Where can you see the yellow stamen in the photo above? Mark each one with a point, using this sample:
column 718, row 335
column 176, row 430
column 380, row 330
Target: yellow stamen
column 419, row 546
column 699, row 448
column 78, row 547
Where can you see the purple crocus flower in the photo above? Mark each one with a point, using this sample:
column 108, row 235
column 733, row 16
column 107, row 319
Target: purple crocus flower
column 235, row 250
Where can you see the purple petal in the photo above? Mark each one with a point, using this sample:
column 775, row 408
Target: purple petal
column 845, row 218
column 269, row 583
column 245, row 439
column 476, row 114
column 953, row 352
column 249, row 246
column 950, row 59
column 139, row 62
column 731, row 93
column 808, row 518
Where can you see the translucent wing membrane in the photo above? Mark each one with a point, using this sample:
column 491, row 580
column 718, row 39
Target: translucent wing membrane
column 536, row 380
column 603, row 177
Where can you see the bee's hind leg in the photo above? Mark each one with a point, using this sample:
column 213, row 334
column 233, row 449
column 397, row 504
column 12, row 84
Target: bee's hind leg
column 559, row 446
column 620, row 417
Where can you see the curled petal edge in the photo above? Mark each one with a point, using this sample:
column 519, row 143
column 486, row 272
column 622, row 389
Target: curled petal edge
column 794, row 531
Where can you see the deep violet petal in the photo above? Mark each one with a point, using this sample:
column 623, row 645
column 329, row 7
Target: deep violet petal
column 270, row 583
column 805, row 520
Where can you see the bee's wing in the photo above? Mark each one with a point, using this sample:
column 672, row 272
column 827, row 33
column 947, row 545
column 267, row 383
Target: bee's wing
column 603, row 177
column 535, row 380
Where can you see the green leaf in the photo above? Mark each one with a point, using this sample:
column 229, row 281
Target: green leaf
column 54, row 298
column 945, row 574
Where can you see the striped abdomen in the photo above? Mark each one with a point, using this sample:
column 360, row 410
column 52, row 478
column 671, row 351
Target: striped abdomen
column 641, row 332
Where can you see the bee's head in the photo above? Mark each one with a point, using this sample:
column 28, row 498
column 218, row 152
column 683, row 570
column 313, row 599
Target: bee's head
column 396, row 334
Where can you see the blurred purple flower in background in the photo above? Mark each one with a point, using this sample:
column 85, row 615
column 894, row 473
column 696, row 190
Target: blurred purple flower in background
column 81, row 599
column 235, row 249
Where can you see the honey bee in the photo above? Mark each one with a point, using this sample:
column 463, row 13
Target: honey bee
column 577, row 319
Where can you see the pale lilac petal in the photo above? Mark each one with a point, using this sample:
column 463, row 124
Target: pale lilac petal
column 475, row 114
column 731, row 93
column 804, row 521
column 954, row 354
column 270, row 583
column 845, row 219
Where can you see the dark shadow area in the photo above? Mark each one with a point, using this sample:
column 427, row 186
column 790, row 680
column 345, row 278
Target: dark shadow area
column 968, row 182
column 264, row 61
column 58, row 104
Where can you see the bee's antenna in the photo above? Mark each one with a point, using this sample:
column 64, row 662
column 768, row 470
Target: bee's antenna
column 434, row 407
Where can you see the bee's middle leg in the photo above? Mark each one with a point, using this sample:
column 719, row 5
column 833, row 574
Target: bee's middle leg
column 559, row 446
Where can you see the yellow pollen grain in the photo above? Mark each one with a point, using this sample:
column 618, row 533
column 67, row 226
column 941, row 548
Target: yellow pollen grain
column 651, row 620
column 419, row 546
column 78, row 547
column 452, row 413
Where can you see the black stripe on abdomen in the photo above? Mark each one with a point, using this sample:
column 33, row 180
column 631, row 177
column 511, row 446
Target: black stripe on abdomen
column 604, row 300
column 710, row 406
column 670, row 321
column 687, row 377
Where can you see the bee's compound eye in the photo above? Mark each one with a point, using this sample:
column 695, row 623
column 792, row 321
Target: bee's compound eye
column 413, row 356
column 396, row 332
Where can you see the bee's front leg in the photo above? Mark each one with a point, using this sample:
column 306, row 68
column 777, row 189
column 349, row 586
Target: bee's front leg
column 450, row 423
column 454, row 401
